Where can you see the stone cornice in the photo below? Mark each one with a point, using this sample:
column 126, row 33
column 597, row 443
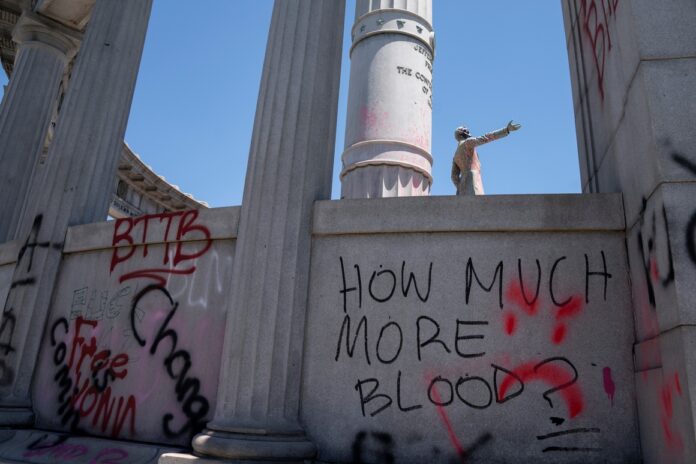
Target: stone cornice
column 140, row 177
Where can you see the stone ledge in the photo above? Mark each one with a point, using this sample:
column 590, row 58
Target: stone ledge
column 222, row 224
column 9, row 252
column 39, row 446
column 490, row 213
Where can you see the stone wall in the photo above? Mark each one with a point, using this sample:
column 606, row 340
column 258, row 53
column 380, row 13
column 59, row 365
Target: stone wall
column 132, row 344
column 438, row 328
column 488, row 329
column 633, row 69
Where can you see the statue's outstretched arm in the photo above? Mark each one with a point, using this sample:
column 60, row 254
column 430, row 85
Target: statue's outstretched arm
column 495, row 135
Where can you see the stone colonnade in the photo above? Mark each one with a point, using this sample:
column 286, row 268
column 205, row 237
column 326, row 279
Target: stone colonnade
column 80, row 166
column 257, row 415
column 32, row 93
column 635, row 119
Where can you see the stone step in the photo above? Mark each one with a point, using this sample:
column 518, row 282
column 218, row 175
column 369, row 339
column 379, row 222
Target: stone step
column 44, row 447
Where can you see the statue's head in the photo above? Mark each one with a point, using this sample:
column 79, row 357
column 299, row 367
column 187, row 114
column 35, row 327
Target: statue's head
column 461, row 133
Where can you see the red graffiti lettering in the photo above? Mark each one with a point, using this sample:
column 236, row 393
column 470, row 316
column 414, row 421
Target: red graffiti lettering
column 131, row 233
column 596, row 26
column 59, row 449
column 60, row 452
column 92, row 394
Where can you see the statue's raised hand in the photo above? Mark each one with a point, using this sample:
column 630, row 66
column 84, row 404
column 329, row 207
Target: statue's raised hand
column 512, row 127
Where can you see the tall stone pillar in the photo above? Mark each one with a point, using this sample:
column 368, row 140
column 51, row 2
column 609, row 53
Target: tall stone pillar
column 26, row 111
column 389, row 120
column 80, row 169
column 633, row 67
column 290, row 167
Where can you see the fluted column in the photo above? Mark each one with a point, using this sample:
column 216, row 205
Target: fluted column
column 26, row 111
column 290, row 167
column 80, row 169
column 389, row 115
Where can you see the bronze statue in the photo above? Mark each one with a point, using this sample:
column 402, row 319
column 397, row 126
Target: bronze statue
column 466, row 168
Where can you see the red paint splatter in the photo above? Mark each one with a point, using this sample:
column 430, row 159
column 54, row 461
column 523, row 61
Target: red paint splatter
column 559, row 333
column 667, row 401
column 677, row 384
column 510, row 322
column 666, row 430
column 552, row 375
column 446, row 422
column 514, row 293
column 609, row 386
column 673, row 438
column 570, row 309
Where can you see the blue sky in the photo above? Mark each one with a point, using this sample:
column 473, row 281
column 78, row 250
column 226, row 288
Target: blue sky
column 496, row 60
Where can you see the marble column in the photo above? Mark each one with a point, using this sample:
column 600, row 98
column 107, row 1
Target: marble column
column 81, row 166
column 26, row 111
column 389, row 115
column 290, row 167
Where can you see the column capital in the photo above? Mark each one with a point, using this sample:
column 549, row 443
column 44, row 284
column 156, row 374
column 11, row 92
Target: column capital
column 32, row 28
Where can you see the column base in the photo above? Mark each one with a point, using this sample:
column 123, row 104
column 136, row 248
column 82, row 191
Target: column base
column 16, row 417
column 257, row 448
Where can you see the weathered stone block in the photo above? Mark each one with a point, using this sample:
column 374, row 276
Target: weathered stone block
column 666, row 30
column 662, row 253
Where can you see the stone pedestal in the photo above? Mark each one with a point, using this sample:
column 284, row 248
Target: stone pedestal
column 77, row 188
column 29, row 102
column 633, row 68
column 290, row 166
column 389, row 120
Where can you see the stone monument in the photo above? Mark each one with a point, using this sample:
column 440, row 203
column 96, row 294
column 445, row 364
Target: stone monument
column 298, row 329
column 389, row 120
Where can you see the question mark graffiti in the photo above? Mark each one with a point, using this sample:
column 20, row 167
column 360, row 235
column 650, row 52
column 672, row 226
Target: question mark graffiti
column 563, row 385
column 547, row 371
